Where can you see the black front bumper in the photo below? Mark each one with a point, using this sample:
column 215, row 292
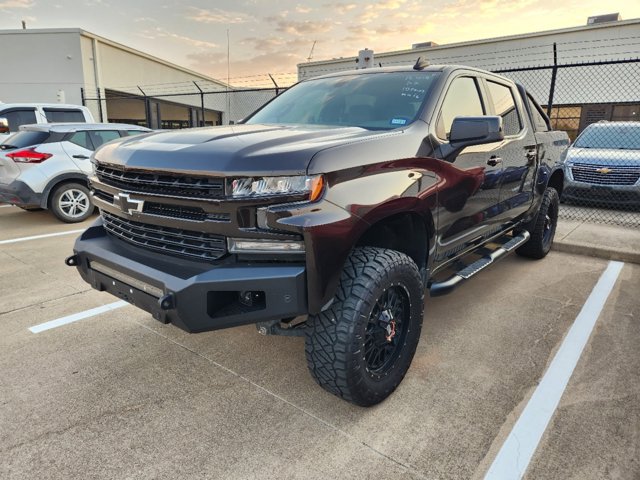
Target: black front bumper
column 194, row 296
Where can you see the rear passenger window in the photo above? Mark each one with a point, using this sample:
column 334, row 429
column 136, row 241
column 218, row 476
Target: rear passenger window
column 81, row 139
column 462, row 100
column 103, row 136
column 59, row 115
column 16, row 118
column 538, row 119
column 135, row 132
column 505, row 106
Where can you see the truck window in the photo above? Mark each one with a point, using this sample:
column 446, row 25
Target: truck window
column 462, row 100
column 505, row 106
column 16, row 118
column 539, row 119
column 59, row 115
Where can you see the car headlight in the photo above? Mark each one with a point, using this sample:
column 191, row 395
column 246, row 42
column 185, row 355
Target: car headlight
column 269, row 186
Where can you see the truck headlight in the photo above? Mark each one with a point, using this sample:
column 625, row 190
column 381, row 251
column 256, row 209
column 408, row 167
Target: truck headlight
column 269, row 186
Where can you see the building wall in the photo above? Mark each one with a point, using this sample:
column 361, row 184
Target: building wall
column 36, row 66
column 44, row 62
column 609, row 41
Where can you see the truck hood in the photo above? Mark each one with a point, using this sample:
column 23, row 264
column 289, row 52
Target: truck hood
column 603, row 156
column 232, row 150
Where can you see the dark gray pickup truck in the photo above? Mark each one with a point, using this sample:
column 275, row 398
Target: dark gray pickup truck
column 328, row 213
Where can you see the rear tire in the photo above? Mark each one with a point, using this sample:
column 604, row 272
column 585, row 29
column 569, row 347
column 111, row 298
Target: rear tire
column 543, row 227
column 71, row 202
column 361, row 347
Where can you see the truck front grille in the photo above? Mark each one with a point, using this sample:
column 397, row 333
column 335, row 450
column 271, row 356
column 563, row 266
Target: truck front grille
column 185, row 243
column 167, row 185
column 614, row 175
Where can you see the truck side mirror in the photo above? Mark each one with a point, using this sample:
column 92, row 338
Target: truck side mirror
column 4, row 125
column 468, row 131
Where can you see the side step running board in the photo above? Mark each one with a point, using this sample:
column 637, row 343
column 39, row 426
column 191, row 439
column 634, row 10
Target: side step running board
column 437, row 289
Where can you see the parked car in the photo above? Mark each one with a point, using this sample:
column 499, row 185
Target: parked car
column 602, row 167
column 46, row 166
column 14, row 115
column 328, row 212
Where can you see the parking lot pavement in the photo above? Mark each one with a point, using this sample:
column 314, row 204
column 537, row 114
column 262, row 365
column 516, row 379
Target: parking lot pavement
column 120, row 395
column 17, row 223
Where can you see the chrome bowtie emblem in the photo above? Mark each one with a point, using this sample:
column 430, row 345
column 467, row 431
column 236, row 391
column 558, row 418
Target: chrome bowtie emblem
column 127, row 204
column 604, row 170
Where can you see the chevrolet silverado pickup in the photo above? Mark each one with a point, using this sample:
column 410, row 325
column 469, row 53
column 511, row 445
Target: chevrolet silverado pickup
column 328, row 213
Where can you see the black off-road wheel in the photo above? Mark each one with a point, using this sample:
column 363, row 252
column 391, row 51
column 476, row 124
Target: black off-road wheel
column 361, row 347
column 71, row 202
column 543, row 227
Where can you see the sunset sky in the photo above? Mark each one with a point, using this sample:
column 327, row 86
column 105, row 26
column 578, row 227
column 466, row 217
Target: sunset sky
column 272, row 37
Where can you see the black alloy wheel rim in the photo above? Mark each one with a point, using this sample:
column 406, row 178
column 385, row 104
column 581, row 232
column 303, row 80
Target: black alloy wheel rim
column 386, row 330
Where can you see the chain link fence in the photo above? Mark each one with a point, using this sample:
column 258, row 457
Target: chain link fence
column 185, row 106
column 597, row 104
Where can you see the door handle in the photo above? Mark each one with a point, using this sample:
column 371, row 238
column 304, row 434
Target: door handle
column 80, row 157
column 531, row 157
column 493, row 161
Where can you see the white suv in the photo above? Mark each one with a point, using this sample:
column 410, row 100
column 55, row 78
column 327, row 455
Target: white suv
column 14, row 115
column 46, row 166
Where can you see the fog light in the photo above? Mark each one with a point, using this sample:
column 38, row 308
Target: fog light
column 239, row 245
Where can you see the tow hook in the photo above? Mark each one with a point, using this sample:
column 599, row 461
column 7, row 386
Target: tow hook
column 167, row 302
column 71, row 261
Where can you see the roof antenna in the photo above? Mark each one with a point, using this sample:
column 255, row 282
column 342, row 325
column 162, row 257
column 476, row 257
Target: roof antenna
column 421, row 64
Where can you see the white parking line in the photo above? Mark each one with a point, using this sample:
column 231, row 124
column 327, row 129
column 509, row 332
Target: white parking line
column 5, row 206
column 518, row 449
column 77, row 316
column 36, row 237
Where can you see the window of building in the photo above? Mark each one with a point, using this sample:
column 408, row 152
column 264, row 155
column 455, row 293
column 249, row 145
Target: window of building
column 504, row 106
column 462, row 100
column 567, row 119
column 626, row 113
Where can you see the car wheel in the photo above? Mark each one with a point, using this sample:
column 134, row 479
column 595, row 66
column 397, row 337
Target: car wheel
column 361, row 347
column 71, row 202
column 543, row 227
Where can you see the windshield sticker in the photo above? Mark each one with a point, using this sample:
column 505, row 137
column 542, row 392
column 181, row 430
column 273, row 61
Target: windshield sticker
column 399, row 121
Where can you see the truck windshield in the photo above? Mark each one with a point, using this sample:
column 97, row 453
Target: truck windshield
column 610, row 136
column 375, row 101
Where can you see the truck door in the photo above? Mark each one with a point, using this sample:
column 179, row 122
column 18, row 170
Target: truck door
column 518, row 152
column 470, row 181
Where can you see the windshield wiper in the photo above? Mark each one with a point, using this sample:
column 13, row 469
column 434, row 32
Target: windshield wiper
column 6, row 146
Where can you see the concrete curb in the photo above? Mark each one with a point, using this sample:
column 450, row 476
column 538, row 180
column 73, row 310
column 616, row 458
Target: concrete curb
column 608, row 253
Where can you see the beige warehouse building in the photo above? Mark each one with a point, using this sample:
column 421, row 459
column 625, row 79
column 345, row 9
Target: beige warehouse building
column 75, row 66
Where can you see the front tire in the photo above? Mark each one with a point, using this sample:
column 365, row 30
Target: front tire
column 361, row 347
column 71, row 202
column 543, row 227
